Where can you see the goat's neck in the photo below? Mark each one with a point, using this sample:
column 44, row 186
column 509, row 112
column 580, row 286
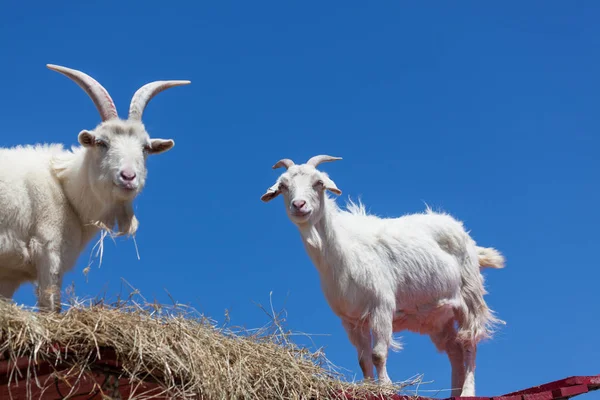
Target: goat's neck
column 321, row 239
column 79, row 191
column 91, row 207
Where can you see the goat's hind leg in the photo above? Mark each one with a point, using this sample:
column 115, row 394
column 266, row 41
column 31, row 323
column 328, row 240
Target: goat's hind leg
column 470, row 350
column 468, row 341
column 447, row 341
column 360, row 336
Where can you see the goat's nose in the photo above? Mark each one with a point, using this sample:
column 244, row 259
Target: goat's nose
column 127, row 174
column 298, row 204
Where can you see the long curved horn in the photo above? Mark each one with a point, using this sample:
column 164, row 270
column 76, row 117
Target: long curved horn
column 142, row 97
column 316, row 160
column 99, row 95
column 286, row 162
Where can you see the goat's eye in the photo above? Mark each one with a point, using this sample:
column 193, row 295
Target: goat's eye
column 319, row 183
column 283, row 186
column 101, row 143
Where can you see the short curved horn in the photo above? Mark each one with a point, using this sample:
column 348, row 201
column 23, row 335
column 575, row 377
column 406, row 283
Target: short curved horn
column 99, row 95
column 286, row 162
column 143, row 95
column 316, row 160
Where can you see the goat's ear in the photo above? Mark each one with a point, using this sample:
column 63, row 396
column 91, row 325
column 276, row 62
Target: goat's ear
column 271, row 193
column 330, row 185
column 158, row 146
column 86, row 138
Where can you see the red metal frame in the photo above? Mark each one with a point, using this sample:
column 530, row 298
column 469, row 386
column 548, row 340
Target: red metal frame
column 557, row 390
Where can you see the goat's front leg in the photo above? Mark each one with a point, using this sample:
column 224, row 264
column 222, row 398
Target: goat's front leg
column 469, row 385
column 381, row 327
column 360, row 336
column 49, row 280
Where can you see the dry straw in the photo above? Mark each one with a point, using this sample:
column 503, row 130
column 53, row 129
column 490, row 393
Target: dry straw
column 184, row 352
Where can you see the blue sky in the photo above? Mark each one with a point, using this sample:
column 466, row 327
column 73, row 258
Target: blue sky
column 488, row 112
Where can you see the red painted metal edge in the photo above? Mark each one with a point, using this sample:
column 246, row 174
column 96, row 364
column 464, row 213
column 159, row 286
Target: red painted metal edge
column 593, row 381
column 514, row 397
column 108, row 360
column 566, row 382
column 547, row 395
column 570, row 391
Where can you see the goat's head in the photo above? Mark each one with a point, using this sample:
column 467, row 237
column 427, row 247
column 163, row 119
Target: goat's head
column 303, row 187
column 117, row 149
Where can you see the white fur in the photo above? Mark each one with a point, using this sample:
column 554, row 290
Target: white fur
column 52, row 199
column 418, row 272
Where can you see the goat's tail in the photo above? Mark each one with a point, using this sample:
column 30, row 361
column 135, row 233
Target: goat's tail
column 476, row 321
column 395, row 344
column 490, row 258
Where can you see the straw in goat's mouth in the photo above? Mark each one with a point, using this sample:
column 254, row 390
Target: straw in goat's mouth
column 99, row 245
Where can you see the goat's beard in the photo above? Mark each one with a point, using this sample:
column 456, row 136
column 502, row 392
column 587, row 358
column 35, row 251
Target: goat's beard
column 121, row 215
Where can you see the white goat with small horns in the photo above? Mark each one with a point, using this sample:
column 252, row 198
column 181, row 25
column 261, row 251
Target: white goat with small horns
column 419, row 272
column 54, row 201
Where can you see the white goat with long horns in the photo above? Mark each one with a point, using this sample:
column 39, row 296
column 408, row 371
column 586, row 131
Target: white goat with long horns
column 418, row 272
column 54, row 201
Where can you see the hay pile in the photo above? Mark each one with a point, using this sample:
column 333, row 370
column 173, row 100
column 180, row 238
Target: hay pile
column 185, row 353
